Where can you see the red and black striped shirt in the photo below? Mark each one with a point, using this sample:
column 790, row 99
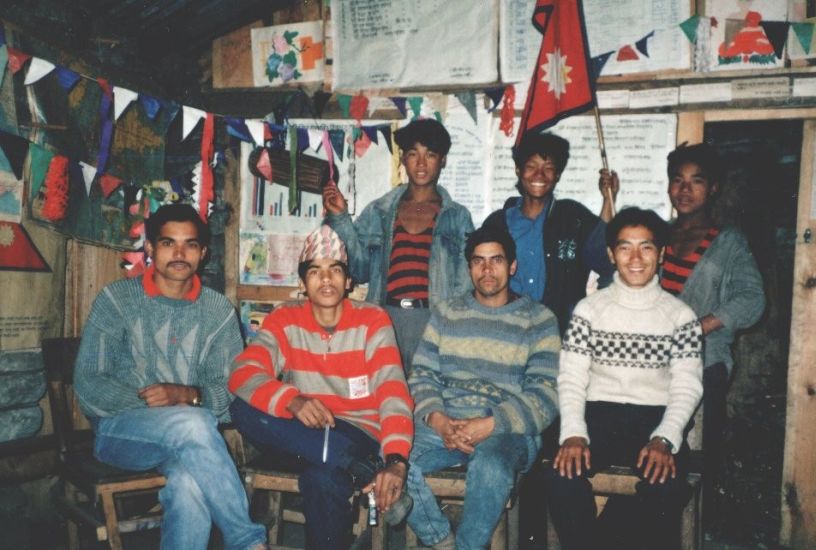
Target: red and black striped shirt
column 408, row 269
column 676, row 270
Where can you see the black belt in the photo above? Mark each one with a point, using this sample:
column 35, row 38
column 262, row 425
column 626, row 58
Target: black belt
column 408, row 303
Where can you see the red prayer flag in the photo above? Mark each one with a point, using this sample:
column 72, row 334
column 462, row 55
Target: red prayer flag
column 561, row 85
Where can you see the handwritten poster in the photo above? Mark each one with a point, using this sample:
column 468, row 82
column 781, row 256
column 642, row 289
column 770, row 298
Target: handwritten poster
column 611, row 25
column 637, row 146
column 394, row 43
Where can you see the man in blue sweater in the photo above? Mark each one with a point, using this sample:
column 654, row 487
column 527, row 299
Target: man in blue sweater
column 484, row 387
column 151, row 376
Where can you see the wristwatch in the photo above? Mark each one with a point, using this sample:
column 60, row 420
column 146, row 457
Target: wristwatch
column 197, row 400
column 394, row 458
column 665, row 442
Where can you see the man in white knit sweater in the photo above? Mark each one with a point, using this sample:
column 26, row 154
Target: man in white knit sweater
column 630, row 377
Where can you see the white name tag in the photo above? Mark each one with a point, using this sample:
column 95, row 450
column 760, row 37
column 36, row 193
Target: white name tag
column 358, row 387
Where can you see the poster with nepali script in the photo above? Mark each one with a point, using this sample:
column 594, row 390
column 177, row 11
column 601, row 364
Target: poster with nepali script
column 399, row 44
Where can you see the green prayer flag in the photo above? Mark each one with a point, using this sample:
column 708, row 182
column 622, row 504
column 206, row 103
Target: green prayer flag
column 40, row 161
column 804, row 32
column 689, row 28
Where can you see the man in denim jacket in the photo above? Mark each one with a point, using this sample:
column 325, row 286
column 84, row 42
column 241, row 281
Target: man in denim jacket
column 421, row 207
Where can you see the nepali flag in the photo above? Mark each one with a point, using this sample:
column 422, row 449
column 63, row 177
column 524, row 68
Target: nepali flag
column 561, row 84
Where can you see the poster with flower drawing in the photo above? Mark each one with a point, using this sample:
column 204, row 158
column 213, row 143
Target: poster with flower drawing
column 288, row 54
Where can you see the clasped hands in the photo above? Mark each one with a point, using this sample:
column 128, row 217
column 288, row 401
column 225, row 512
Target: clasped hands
column 655, row 459
column 461, row 434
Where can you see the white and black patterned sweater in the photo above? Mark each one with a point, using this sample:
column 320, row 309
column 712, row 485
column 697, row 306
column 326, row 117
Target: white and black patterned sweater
column 639, row 346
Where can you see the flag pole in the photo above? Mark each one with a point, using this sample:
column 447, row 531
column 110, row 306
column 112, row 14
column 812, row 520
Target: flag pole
column 602, row 145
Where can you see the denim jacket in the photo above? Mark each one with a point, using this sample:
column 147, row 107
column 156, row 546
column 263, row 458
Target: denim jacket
column 369, row 240
column 725, row 283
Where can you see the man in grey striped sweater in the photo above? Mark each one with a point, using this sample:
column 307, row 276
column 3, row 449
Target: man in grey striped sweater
column 630, row 378
column 483, row 382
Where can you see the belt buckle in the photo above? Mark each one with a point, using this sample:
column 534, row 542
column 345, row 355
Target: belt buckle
column 407, row 303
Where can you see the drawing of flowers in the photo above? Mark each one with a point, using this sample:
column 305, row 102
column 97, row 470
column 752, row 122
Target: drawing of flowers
column 282, row 62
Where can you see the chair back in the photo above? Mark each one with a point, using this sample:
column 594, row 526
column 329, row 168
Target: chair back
column 59, row 357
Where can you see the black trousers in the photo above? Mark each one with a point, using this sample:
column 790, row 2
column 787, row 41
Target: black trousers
column 715, row 419
column 651, row 519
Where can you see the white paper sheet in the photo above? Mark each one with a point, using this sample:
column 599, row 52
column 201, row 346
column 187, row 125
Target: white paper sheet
column 398, row 43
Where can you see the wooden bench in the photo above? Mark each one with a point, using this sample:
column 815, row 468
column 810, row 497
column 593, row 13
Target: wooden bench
column 449, row 487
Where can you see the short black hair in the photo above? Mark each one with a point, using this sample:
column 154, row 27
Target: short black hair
column 426, row 131
column 176, row 213
column 548, row 145
column 633, row 217
column 491, row 234
column 703, row 155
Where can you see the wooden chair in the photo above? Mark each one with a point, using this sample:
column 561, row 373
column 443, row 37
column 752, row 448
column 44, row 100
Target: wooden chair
column 449, row 487
column 95, row 492
column 617, row 480
column 278, row 478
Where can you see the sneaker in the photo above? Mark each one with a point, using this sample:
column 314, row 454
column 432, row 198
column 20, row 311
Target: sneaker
column 399, row 510
column 448, row 543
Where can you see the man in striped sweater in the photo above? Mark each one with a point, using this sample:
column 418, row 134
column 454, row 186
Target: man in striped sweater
column 323, row 381
column 630, row 378
column 151, row 377
column 483, row 378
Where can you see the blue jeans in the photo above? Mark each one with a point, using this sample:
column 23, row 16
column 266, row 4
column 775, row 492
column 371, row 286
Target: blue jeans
column 203, row 487
column 326, row 487
column 491, row 472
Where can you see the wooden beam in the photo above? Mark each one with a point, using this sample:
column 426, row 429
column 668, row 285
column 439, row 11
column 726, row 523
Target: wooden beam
column 798, row 529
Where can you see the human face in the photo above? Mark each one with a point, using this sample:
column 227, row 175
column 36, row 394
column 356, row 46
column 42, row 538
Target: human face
column 538, row 176
column 490, row 273
column 326, row 283
column 177, row 252
column 422, row 165
column 690, row 189
column 635, row 256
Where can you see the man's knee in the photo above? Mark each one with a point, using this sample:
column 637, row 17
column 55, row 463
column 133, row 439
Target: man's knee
column 193, row 425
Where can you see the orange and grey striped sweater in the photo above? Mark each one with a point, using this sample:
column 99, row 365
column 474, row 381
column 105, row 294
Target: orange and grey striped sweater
column 354, row 370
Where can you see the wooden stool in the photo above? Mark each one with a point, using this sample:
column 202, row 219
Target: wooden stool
column 449, row 487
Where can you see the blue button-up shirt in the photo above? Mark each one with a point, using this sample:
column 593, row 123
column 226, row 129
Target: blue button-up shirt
column 531, row 272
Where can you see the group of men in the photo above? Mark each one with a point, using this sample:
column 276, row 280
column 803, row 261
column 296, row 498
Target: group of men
column 162, row 362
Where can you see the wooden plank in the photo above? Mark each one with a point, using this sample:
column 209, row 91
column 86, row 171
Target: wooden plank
column 690, row 126
column 232, row 58
column 759, row 114
column 232, row 196
column 798, row 528
column 90, row 269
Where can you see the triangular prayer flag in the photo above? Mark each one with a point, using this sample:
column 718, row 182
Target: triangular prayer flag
column 18, row 252
column 191, row 118
column 171, row 108
column 386, row 132
column 597, row 63
column 206, row 188
column 264, row 165
column 362, row 145
column 371, row 132
column 105, row 124
column 133, row 263
column 642, row 45
column 804, row 33
column 237, row 128
column 337, row 138
column 302, row 139
column 109, row 183
column 16, row 59
column 344, row 101
column 777, row 33
column 399, row 103
column 107, row 89
column 122, row 97
column 495, row 95
column 415, row 103
column 38, row 69
column 256, row 130
column 561, row 85
column 627, row 53
column 315, row 139
column 327, row 148
column 40, row 160
column 15, row 149
column 357, row 109
column 66, row 77
column 88, row 175
column 150, row 105
column 689, row 28
column 468, row 100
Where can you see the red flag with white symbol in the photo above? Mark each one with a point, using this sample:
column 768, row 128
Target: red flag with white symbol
column 561, row 85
